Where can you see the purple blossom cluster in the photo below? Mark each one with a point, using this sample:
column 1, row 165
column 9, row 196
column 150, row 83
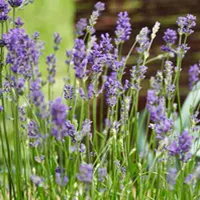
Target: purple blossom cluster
column 79, row 58
column 85, row 173
column 113, row 89
column 4, row 7
column 23, row 52
column 181, row 148
column 170, row 37
column 15, row 3
column 98, row 8
column 186, row 24
column 156, row 106
column 194, row 74
column 123, row 29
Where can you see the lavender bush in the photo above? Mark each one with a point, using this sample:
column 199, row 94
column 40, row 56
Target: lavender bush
column 64, row 147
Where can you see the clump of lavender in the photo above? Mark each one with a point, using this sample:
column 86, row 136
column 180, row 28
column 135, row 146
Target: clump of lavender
column 96, row 160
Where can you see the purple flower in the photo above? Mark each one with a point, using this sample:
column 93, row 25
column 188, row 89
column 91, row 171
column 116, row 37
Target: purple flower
column 185, row 142
column 170, row 36
column 58, row 112
column 86, row 128
column 19, row 23
column 68, row 92
column 70, row 129
column 137, row 75
column 36, row 35
column 143, row 40
column 100, row 6
column 1, row 108
column 189, row 179
column 37, row 180
column 173, row 149
column 186, row 24
column 125, row 107
column 113, row 88
column 105, row 43
column 39, row 159
column 181, row 147
column 33, row 134
column 57, row 41
column 102, row 173
column 123, row 29
column 182, row 49
column 23, row 52
column 4, row 10
column 91, row 91
column 61, row 179
column 36, row 95
column 167, row 49
column 163, row 127
column 22, row 114
column 51, row 62
column 79, row 58
column 85, row 173
column 93, row 18
column 194, row 72
column 15, row 3
column 82, row 93
column 152, row 98
column 81, row 27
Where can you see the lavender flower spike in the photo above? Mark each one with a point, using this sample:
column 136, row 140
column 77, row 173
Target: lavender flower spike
column 170, row 36
column 123, row 29
column 194, row 72
column 85, row 173
column 100, row 6
column 4, row 11
column 58, row 111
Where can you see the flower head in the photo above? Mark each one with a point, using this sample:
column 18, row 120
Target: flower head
column 170, row 36
column 79, row 58
column 123, row 29
column 186, row 24
column 58, row 111
column 194, row 72
column 4, row 10
column 37, row 180
column 81, row 27
column 15, row 3
column 85, row 173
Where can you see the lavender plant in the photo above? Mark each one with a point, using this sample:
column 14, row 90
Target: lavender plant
column 92, row 142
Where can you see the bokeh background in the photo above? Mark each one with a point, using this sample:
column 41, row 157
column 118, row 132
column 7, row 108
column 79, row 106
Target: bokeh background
column 49, row 16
